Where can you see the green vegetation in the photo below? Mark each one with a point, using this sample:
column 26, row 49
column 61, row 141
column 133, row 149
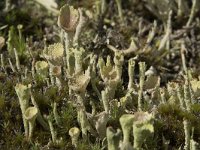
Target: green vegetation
column 99, row 74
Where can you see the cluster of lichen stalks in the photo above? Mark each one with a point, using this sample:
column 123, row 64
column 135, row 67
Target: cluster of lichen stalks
column 69, row 62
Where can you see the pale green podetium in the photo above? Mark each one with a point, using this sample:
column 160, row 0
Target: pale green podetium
column 56, row 72
column 105, row 100
column 54, row 53
column 42, row 68
column 68, row 18
column 131, row 68
column 55, row 140
column 79, row 82
column 30, row 115
column 142, row 128
column 113, row 138
column 71, row 21
column 74, row 134
column 142, row 67
column 126, row 122
column 84, row 123
column 101, row 120
column 23, row 93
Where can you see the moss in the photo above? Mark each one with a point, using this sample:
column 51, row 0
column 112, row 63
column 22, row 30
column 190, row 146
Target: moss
column 68, row 118
column 2, row 102
column 105, row 29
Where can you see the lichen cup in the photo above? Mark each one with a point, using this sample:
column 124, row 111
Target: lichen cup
column 30, row 115
column 142, row 128
column 74, row 134
column 68, row 18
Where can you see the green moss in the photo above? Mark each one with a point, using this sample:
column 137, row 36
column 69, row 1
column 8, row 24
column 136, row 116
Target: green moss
column 16, row 41
column 101, row 31
column 68, row 118
column 2, row 102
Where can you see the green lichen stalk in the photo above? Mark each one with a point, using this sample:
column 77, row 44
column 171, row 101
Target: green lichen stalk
column 105, row 100
column 31, row 114
column 142, row 128
column 23, row 93
column 126, row 122
column 74, row 133
column 131, row 68
column 142, row 67
column 113, row 138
